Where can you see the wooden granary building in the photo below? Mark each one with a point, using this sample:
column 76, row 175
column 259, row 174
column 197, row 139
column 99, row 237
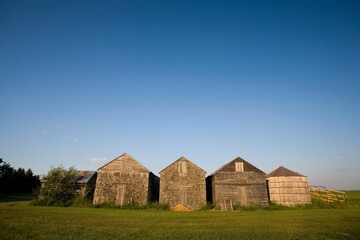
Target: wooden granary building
column 288, row 188
column 124, row 180
column 237, row 183
column 85, row 183
column 183, row 183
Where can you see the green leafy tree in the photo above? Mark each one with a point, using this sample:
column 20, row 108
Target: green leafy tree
column 17, row 181
column 6, row 176
column 57, row 187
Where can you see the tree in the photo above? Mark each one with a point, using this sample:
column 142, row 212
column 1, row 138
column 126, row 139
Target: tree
column 58, row 187
column 17, row 181
column 6, row 175
column 31, row 181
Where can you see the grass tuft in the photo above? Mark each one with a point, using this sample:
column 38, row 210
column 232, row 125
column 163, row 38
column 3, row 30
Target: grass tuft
column 150, row 205
column 207, row 206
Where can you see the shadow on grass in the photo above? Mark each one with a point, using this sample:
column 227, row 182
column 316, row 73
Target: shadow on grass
column 15, row 197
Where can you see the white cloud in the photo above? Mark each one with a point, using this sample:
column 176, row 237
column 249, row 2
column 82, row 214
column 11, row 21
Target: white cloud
column 43, row 132
column 97, row 160
column 70, row 139
column 340, row 158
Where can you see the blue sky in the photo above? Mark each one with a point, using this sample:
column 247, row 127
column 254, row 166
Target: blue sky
column 275, row 82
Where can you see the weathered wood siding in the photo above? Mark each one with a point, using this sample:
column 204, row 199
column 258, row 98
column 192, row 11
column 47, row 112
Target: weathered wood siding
column 183, row 183
column 289, row 190
column 124, row 180
column 243, row 184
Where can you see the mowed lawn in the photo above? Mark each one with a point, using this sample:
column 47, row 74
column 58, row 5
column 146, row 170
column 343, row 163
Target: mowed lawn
column 20, row 220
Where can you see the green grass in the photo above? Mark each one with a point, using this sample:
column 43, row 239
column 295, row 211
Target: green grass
column 353, row 196
column 20, row 220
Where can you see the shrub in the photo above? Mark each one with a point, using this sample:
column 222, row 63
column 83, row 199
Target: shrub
column 207, row 206
column 80, row 201
column 57, row 187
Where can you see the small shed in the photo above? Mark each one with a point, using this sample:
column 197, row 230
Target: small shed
column 183, row 183
column 287, row 187
column 85, row 183
column 237, row 183
column 124, row 180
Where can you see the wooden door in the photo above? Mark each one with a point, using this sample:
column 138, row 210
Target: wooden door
column 182, row 199
column 120, row 194
column 242, row 195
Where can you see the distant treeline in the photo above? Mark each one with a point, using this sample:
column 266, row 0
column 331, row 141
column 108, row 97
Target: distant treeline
column 17, row 180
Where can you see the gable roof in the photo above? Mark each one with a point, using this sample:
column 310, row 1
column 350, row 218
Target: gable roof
column 182, row 158
column 237, row 159
column 128, row 156
column 283, row 172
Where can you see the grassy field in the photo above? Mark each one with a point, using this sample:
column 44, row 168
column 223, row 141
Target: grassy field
column 20, row 220
column 353, row 196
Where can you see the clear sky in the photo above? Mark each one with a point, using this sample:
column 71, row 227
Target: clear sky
column 274, row 82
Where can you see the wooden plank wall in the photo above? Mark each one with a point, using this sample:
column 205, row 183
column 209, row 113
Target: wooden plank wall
column 123, row 181
column 121, row 188
column 243, row 188
column 289, row 190
column 183, row 183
